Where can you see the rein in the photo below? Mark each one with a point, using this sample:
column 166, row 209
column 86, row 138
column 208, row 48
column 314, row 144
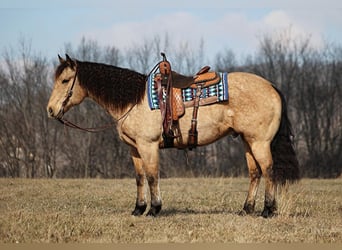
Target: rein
column 92, row 130
column 69, row 124
column 95, row 129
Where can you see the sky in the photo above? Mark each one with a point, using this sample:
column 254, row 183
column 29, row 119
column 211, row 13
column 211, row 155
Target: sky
column 221, row 24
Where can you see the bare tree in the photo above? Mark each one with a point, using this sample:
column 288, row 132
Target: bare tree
column 226, row 61
column 22, row 113
column 318, row 102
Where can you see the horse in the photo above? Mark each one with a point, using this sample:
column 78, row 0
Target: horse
column 256, row 111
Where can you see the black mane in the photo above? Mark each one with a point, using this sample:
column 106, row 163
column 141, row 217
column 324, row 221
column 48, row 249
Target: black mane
column 116, row 87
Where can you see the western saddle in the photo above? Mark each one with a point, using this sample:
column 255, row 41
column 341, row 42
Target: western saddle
column 169, row 87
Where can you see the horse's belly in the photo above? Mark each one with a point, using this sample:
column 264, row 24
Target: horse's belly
column 213, row 123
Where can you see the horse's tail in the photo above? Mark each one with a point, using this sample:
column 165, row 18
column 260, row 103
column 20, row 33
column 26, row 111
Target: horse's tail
column 285, row 163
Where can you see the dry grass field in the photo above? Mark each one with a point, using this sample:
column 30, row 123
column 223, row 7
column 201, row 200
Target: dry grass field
column 194, row 210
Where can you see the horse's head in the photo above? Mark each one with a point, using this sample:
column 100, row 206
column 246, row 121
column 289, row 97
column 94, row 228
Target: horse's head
column 67, row 91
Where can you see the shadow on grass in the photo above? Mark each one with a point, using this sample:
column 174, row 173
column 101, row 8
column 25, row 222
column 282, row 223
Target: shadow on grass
column 166, row 212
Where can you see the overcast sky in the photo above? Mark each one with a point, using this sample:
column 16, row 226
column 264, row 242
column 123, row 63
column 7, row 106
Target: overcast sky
column 235, row 24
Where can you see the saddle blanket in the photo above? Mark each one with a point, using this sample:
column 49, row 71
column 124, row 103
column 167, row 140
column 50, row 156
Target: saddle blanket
column 220, row 91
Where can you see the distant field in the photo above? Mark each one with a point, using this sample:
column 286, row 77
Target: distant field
column 194, row 210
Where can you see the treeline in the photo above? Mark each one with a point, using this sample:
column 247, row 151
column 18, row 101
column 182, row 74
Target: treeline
column 33, row 146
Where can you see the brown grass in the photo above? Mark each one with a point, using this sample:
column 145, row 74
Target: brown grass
column 194, row 210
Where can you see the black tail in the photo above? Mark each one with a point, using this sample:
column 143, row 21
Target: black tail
column 285, row 163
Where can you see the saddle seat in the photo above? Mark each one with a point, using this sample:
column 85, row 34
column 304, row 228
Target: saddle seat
column 203, row 76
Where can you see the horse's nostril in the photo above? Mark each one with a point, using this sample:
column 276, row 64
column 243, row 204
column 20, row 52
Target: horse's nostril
column 50, row 111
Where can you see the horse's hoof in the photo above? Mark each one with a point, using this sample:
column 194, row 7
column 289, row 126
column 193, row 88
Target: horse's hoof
column 268, row 213
column 154, row 210
column 139, row 210
column 242, row 213
column 249, row 208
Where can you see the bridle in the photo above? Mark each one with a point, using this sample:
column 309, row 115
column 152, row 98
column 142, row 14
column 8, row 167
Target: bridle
column 67, row 123
column 67, row 97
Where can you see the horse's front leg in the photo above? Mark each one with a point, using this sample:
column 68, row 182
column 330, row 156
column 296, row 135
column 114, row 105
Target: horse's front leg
column 140, row 205
column 149, row 152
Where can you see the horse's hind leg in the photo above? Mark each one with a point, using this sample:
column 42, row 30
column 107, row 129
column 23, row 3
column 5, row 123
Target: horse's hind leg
column 140, row 205
column 262, row 154
column 255, row 175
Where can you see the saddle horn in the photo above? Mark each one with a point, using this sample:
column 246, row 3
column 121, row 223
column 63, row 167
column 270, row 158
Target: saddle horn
column 163, row 55
column 164, row 66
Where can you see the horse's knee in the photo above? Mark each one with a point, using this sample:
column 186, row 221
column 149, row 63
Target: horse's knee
column 151, row 179
column 140, row 179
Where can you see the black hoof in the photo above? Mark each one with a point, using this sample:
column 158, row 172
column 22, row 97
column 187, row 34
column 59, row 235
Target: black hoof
column 154, row 210
column 242, row 213
column 139, row 210
column 248, row 208
column 268, row 213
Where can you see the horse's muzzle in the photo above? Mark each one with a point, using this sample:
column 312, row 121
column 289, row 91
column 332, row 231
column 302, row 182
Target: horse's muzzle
column 52, row 114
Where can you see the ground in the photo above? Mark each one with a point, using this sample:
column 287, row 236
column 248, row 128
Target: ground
column 194, row 210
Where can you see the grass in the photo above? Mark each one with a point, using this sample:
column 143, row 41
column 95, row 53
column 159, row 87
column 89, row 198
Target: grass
column 194, row 210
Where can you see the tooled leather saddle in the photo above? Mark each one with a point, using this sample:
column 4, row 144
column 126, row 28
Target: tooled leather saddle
column 170, row 85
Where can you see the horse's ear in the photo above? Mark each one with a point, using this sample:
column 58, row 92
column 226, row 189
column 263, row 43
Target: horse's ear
column 70, row 62
column 67, row 57
column 61, row 60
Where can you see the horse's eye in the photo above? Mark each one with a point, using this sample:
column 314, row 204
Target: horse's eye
column 65, row 81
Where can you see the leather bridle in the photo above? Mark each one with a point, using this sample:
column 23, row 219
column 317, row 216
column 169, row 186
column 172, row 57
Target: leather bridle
column 67, row 97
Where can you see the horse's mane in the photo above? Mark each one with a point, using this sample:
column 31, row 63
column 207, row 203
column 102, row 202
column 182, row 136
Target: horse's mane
column 116, row 87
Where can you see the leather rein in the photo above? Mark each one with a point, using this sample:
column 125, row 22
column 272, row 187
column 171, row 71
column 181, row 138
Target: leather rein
column 69, row 124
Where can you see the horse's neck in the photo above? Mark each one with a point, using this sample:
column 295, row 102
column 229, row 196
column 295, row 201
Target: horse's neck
column 115, row 89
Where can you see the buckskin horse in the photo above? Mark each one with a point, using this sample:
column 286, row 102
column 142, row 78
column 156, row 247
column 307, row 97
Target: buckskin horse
column 256, row 110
